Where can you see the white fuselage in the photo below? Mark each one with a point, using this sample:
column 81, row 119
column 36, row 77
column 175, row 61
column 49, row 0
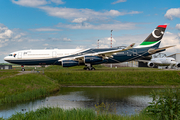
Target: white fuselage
column 41, row 54
column 167, row 61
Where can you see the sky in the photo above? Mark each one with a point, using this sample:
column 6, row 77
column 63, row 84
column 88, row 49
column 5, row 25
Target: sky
column 74, row 24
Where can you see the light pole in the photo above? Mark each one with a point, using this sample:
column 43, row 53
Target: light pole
column 111, row 38
column 98, row 44
column 111, row 44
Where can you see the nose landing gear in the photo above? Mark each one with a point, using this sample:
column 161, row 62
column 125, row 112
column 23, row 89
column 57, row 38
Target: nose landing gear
column 22, row 69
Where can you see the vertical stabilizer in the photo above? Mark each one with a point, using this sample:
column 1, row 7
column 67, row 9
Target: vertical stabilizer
column 155, row 37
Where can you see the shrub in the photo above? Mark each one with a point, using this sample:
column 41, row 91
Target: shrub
column 165, row 104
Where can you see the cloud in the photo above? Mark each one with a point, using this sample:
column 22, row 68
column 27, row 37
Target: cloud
column 116, row 26
column 79, row 20
column 36, row 3
column 5, row 33
column 119, row 1
column 66, row 39
column 58, row 1
column 171, row 39
column 80, row 47
column 45, row 44
column 172, row 13
column 46, row 29
column 178, row 26
column 82, row 14
column 60, row 39
column 30, row 3
column 75, row 15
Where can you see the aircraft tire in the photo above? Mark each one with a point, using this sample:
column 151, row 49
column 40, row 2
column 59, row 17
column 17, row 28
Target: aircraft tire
column 23, row 69
column 93, row 68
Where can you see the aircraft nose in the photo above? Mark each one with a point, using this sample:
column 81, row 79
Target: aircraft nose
column 6, row 58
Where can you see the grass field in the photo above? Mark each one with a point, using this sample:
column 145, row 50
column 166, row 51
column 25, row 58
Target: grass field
column 17, row 88
column 73, row 114
column 25, row 87
column 13, row 88
column 104, row 76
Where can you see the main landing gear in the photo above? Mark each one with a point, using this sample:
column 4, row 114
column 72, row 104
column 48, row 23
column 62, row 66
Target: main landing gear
column 22, row 69
column 89, row 67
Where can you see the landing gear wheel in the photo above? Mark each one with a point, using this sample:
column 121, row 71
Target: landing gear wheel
column 88, row 68
column 23, row 69
column 85, row 68
column 92, row 68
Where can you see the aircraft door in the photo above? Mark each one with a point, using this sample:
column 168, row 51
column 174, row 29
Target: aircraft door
column 19, row 55
column 54, row 54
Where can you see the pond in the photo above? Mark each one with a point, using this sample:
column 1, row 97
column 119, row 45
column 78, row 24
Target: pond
column 117, row 100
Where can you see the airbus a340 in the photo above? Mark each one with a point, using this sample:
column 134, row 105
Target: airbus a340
column 89, row 57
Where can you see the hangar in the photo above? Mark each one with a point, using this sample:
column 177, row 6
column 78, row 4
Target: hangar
column 176, row 56
column 5, row 67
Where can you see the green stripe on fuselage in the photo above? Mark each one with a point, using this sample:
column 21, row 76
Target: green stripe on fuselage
column 148, row 43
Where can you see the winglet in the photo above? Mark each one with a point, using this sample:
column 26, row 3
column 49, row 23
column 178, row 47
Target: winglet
column 130, row 46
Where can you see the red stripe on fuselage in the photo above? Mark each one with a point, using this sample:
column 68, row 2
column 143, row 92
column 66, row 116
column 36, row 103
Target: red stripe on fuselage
column 163, row 26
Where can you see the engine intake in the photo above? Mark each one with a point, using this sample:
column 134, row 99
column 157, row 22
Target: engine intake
column 69, row 63
column 178, row 64
column 150, row 64
column 92, row 59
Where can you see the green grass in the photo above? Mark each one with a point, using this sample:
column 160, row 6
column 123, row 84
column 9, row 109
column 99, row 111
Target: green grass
column 26, row 87
column 107, row 76
column 73, row 114
column 14, row 88
column 7, row 73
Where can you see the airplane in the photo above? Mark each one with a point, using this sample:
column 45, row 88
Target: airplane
column 90, row 57
column 164, row 61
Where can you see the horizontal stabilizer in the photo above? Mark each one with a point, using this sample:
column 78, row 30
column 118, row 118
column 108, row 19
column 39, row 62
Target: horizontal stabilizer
column 152, row 51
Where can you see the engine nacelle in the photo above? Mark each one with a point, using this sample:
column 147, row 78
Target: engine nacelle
column 92, row 59
column 150, row 64
column 69, row 63
column 178, row 64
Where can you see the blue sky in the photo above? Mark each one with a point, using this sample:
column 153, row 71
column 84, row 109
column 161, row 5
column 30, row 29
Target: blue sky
column 48, row 24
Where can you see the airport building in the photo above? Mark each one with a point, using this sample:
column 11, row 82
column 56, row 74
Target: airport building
column 5, row 67
column 176, row 56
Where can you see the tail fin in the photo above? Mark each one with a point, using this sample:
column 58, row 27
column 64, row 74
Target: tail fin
column 154, row 37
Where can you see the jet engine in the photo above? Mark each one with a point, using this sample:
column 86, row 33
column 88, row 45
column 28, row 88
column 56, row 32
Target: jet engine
column 178, row 64
column 150, row 64
column 69, row 63
column 92, row 59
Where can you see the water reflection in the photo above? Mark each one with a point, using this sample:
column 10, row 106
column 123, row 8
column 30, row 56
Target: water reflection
column 122, row 100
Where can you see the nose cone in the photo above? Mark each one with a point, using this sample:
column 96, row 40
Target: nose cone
column 6, row 59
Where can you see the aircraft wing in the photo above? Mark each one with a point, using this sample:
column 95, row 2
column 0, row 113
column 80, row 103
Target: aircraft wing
column 151, row 51
column 105, row 54
column 111, row 52
column 144, row 61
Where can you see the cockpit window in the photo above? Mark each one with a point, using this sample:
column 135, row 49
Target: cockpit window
column 10, row 55
column 14, row 55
